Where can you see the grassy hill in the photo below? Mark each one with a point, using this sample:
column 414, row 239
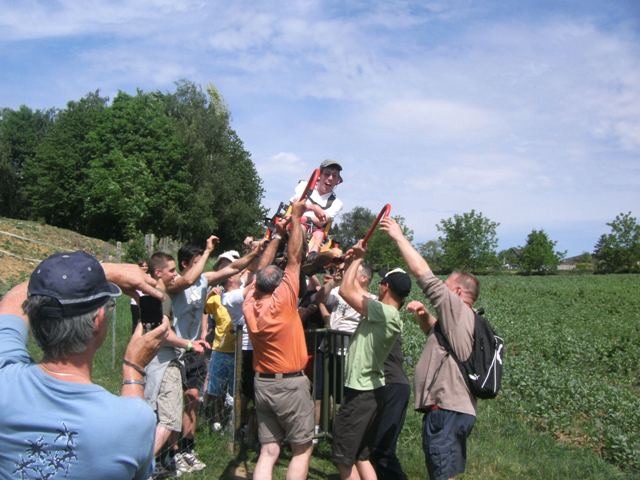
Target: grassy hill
column 24, row 243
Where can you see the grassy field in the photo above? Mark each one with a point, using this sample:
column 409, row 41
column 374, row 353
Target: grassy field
column 569, row 400
column 570, row 405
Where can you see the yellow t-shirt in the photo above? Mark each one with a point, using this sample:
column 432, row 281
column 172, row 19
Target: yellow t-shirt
column 224, row 339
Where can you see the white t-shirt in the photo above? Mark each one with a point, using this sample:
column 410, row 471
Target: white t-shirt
column 321, row 200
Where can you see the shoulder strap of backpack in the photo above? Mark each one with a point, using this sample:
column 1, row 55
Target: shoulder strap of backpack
column 444, row 342
column 330, row 201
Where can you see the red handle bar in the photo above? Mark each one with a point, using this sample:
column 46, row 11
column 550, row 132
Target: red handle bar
column 384, row 213
column 311, row 184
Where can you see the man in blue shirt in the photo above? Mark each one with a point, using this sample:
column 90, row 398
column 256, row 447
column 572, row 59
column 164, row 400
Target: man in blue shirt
column 55, row 422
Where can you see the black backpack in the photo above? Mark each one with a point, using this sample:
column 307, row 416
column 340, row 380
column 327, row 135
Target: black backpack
column 483, row 369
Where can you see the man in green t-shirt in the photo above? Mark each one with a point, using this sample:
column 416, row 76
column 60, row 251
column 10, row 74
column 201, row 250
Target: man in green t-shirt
column 364, row 380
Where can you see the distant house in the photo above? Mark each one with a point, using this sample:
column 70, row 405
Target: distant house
column 566, row 266
column 581, row 262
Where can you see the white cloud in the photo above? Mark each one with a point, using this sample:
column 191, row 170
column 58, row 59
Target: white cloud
column 434, row 118
column 282, row 164
column 529, row 114
column 42, row 19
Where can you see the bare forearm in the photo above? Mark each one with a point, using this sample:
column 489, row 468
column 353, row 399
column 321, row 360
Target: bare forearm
column 269, row 253
column 192, row 274
column 350, row 290
column 216, row 277
column 294, row 246
column 321, row 294
column 416, row 262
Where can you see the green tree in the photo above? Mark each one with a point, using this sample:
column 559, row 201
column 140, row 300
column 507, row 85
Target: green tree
column 469, row 242
column 54, row 176
column 619, row 251
column 538, row 255
column 225, row 189
column 353, row 226
column 21, row 131
column 163, row 163
column 136, row 176
column 382, row 252
column 432, row 251
column 135, row 250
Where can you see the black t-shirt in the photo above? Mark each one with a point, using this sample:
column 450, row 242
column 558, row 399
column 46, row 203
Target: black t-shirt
column 393, row 372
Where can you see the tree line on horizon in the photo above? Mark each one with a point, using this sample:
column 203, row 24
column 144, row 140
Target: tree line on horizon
column 468, row 242
column 169, row 163
column 163, row 163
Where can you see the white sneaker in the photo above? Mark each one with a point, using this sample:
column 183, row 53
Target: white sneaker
column 182, row 465
column 193, row 461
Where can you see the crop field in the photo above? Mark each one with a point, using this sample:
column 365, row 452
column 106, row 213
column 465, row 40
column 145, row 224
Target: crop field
column 570, row 404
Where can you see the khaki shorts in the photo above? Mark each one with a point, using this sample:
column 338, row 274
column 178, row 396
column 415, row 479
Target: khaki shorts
column 285, row 410
column 170, row 399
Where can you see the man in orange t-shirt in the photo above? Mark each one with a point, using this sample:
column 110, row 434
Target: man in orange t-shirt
column 283, row 399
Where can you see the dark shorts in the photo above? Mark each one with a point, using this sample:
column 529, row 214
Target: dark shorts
column 195, row 371
column 247, row 375
column 444, row 441
column 355, row 424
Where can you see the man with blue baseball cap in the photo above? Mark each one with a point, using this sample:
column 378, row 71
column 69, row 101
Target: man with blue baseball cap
column 55, row 422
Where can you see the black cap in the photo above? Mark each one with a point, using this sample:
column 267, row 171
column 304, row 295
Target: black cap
column 75, row 279
column 399, row 282
column 330, row 163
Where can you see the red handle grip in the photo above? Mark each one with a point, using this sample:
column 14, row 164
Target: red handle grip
column 384, row 213
column 311, row 184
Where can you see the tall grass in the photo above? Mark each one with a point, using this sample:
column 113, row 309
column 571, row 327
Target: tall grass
column 583, row 330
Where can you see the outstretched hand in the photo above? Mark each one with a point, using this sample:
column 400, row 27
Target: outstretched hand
column 212, row 241
column 355, row 252
column 258, row 245
column 143, row 347
column 391, row 227
column 130, row 278
column 298, row 208
column 281, row 226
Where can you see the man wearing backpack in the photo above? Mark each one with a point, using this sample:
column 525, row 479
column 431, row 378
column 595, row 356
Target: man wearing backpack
column 441, row 392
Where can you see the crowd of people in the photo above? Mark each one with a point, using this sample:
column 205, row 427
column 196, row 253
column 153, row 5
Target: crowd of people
column 57, row 423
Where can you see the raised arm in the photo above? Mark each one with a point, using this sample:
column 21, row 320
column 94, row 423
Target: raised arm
column 416, row 263
column 182, row 282
column 234, row 267
column 269, row 253
column 11, row 303
column 294, row 246
column 328, row 283
column 350, row 290
column 130, row 277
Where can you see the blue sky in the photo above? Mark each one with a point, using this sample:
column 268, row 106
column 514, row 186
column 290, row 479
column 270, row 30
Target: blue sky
column 527, row 111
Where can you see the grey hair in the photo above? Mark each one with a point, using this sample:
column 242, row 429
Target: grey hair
column 366, row 270
column 268, row 278
column 467, row 282
column 58, row 336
